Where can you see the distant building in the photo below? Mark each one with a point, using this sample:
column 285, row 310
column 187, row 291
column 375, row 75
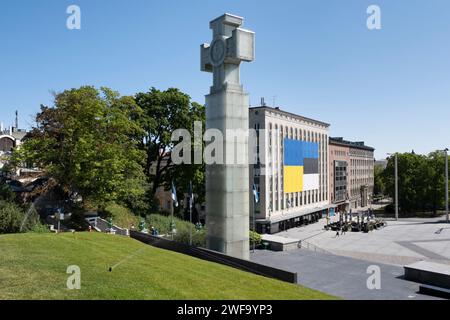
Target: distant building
column 10, row 138
column 351, row 174
column 291, row 175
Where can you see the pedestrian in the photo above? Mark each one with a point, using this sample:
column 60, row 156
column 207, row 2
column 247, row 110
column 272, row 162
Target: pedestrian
column 337, row 233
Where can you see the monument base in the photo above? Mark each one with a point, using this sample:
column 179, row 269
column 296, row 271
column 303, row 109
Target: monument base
column 227, row 187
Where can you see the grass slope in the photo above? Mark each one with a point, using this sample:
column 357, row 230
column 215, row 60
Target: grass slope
column 33, row 266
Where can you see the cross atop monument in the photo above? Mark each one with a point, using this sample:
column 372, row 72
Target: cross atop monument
column 231, row 45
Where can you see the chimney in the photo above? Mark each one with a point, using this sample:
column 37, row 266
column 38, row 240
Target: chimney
column 263, row 103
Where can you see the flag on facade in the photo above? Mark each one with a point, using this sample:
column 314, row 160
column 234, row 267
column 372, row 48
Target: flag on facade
column 255, row 193
column 174, row 195
column 191, row 195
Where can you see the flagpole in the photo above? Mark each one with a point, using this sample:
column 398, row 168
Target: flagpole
column 254, row 225
column 190, row 212
column 171, row 214
column 190, row 225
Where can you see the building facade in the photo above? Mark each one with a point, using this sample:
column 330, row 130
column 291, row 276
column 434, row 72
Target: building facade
column 291, row 174
column 339, row 159
column 352, row 164
column 9, row 139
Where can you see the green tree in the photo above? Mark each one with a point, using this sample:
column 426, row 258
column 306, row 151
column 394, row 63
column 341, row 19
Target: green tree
column 421, row 181
column 88, row 141
column 379, row 187
column 13, row 219
column 436, row 181
column 163, row 113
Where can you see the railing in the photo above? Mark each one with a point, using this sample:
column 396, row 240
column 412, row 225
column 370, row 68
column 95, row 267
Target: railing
column 103, row 226
column 302, row 244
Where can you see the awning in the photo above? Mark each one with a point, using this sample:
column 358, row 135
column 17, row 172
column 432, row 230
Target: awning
column 295, row 214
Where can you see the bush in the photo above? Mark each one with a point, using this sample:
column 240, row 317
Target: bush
column 77, row 221
column 162, row 224
column 121, row 216
column 6, row 194
column 198, row 237
column 13, row 219
column 40, row 228
column 255, row 238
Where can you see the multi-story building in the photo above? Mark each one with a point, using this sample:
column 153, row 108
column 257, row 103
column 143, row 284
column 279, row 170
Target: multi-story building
column 351, row 174
column 339, row 159
column 291, row 174
column 9, row 139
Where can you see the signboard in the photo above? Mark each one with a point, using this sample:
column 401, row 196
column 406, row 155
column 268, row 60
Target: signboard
column 332, row 212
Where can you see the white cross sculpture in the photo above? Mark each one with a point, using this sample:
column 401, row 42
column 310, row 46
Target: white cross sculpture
column 229, row 47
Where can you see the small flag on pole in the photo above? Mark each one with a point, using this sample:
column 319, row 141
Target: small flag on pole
column 174, row 195
column 191, row 195
column 255, row 193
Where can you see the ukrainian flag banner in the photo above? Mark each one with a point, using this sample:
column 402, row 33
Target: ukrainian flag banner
column 301, row 166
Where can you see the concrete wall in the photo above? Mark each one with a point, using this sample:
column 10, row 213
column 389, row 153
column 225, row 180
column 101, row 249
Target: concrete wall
column 216, row 257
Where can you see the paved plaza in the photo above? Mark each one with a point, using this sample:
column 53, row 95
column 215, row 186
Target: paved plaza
column 342, row 276
column 401, row 242
column 338, row 265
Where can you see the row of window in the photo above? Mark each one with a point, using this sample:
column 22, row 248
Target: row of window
column 278, row 199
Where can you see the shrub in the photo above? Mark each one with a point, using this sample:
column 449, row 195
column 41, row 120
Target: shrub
column 255, row 238
column 121, row 216
column 162, row 224
column 13, row 219
column 77, row 221
column 6, row 194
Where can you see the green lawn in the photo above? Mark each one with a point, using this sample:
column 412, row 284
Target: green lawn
column 33, row 266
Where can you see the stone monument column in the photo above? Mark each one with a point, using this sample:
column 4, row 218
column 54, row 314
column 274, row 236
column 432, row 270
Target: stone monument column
column 227, row 107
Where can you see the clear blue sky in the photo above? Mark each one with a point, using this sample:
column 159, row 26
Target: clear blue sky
column 389, row 87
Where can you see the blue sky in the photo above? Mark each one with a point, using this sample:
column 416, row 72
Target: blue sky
column 388, row 87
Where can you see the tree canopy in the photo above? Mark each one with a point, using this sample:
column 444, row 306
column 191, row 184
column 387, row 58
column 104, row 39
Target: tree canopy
column 421, row 181
column 88, row 141
column 163, row 112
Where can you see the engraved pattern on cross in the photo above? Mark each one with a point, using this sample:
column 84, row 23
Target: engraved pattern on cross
column 230, row 46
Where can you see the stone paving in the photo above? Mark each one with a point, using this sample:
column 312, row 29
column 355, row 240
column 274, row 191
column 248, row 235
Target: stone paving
column 342, row 276
column 401, row 242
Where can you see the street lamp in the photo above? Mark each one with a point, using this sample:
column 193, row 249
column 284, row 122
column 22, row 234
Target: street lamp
column 396, row 184
column 446, row 183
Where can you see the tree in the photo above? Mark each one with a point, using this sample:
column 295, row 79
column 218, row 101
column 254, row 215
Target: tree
column 88, row 142
column 436, row 181
column 13, row 219
column 379, row 187
column 163, row 113
column 421, row 181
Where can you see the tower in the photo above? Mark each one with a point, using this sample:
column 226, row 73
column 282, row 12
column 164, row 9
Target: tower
column 227, row 183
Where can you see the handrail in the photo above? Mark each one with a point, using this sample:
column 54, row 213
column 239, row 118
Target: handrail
column 302, row 244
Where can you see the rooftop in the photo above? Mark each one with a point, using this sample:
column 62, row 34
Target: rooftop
column 353, row 144
column 278, row 110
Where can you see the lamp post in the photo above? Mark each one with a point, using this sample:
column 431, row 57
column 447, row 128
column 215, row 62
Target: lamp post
column 446, row 183
column 396, row 184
